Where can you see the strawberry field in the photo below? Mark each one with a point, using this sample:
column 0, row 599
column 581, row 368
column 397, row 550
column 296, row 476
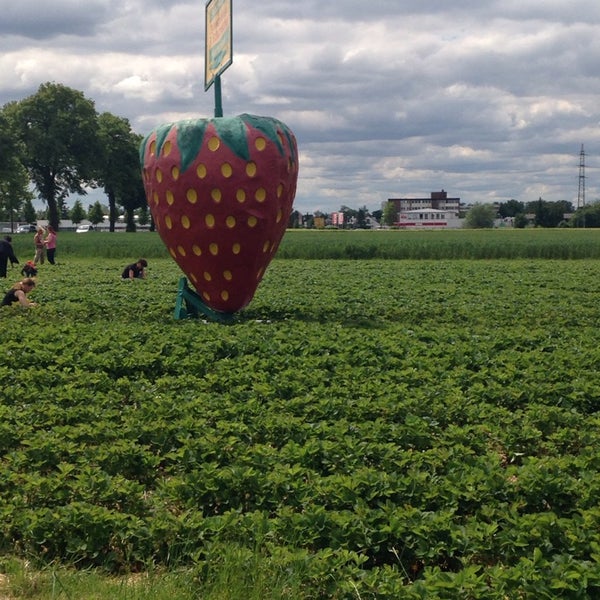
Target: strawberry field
column 373, row 428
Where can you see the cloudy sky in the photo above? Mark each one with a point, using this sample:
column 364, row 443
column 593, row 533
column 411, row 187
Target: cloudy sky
column 487, row 99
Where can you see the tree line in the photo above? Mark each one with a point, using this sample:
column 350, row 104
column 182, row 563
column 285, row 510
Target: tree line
column 537, row 213
column 58, row 144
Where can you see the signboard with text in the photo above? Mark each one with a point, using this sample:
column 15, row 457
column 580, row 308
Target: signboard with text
column 218, row 46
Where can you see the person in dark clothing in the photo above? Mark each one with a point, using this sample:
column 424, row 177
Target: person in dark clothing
column 18, row 293
column 136, row 270
column 6, row 253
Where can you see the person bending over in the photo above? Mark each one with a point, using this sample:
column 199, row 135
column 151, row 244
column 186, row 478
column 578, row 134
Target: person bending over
column 18, row 293
column 136, row 270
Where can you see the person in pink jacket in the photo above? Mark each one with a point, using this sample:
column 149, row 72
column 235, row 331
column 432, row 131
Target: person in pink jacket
column 50, row 243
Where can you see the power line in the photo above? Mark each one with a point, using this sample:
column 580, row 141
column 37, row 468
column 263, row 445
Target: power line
column 581, row 189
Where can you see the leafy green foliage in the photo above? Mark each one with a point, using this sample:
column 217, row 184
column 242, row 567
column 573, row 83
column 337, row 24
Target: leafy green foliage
column 57, row 126
column 430, row 434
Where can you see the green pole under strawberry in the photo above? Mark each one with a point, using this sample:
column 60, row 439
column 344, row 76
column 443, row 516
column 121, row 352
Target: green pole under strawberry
column 221, row 192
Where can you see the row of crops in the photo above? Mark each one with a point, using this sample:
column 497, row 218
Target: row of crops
column 378, row 429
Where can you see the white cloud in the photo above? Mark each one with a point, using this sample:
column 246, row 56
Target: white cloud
column 488, row 100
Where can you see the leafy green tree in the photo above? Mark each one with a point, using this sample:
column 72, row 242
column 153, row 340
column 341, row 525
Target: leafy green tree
column 294, row 222
column 587, row 216
column 28, row 211
column 95, row 213
column 144, row 215
column 480, row 216
column 390, row 215
column 77, row 212
column 135, row 198
column 361, row 217
column 549, row 214
column 58, row 128
column 520, row 221
column 119, row 173
column 14, row 181
column 511, row 208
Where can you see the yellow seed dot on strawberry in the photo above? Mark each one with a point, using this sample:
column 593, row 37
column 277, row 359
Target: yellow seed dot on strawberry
column 192, row 196
column 216, row 195
column 240, row 196
column 168, row 222
column 230, row 222
column 170, row 197
column 197, row 250
column 227, row 275
column 209, row 220
column 159, row 176
column 251, row 169
column 214, row 249
column 185, row 222
column 175, row 173
column 225, row 295
column 279, row 190
column 193, row 277
column 213, row 144
column 207, row 276
column 260, row 143
column 201, row 171
column 181, row 250
column 155, row 196
column 172, row 253
column 279, row 215
column 236, row 248
column 226, row 170
column 266, row 246
column 206, row 296
column 252, row 221
column 167, row 147
column 152, row 148
column 260, row 194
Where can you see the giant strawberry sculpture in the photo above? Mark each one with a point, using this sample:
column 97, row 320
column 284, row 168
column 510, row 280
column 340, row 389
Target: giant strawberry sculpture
column 221, row 192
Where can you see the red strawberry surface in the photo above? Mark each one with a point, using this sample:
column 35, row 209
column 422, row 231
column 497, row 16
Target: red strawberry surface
column 221, row 192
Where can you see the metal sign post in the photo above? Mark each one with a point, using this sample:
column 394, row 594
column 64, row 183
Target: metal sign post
column 218, row 46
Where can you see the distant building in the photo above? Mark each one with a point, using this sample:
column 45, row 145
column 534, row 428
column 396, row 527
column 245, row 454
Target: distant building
column 428, row 218
column 337, row 219
column 436, row 212
column 437, row 200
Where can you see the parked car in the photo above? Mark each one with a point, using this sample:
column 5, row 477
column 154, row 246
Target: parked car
column 26, row 229
column 84, row 228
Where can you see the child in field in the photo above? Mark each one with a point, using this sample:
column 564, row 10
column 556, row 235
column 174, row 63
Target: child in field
column 135, row 270
column 29, row 269
column 18, row 293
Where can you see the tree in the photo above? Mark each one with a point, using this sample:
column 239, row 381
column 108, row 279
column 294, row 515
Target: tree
column 520, row 221
column 361, row 217
column 14, row 181
column 511, row 208
column 28, row 211
column 58, row 128
column 480, row 216
column 390, row 215
column 143, row 215
column 587, row 216
column 119, row 171
column 95, row 213
column 549, row 214
column 77, row 212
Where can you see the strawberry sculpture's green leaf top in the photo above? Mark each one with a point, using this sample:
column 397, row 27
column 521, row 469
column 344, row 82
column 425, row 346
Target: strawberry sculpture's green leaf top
column 232, row 130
